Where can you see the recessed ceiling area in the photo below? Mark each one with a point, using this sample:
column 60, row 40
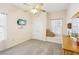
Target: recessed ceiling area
column 49, row 7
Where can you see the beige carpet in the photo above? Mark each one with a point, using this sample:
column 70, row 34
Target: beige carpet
column 34, row 47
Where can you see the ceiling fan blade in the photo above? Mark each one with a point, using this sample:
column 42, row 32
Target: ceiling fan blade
column 29, row 4
column 43, row 10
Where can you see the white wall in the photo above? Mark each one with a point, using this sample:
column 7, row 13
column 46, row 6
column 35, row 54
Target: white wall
column 39, row 26
column 15, row 35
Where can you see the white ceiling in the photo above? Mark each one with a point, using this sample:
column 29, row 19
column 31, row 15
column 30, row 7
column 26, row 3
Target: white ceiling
column 52, row 7
column 49, row 7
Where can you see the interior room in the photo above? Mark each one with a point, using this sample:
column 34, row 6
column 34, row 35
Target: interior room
column 39, row 28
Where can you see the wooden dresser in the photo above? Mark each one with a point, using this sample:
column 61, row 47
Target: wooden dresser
column 68, row 46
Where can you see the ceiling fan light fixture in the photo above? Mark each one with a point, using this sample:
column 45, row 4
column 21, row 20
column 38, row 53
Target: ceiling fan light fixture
column 39, row 7
column 34, row 11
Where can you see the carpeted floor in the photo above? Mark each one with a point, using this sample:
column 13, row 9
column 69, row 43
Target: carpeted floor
column 34, row 47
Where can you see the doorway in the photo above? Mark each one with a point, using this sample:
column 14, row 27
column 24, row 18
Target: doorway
column 56, row 26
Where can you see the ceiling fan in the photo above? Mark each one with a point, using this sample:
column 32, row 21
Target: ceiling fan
column 36, row 8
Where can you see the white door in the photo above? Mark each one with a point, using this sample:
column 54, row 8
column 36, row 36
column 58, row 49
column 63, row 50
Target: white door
column 3, row 31
column 39, row 27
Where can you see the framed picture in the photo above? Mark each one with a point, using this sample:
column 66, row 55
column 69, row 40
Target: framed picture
column 69, row 25
column 21, row 22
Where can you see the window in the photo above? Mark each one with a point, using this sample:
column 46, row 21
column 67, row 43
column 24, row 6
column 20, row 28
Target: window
column 75, row 25
column 56, row 26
